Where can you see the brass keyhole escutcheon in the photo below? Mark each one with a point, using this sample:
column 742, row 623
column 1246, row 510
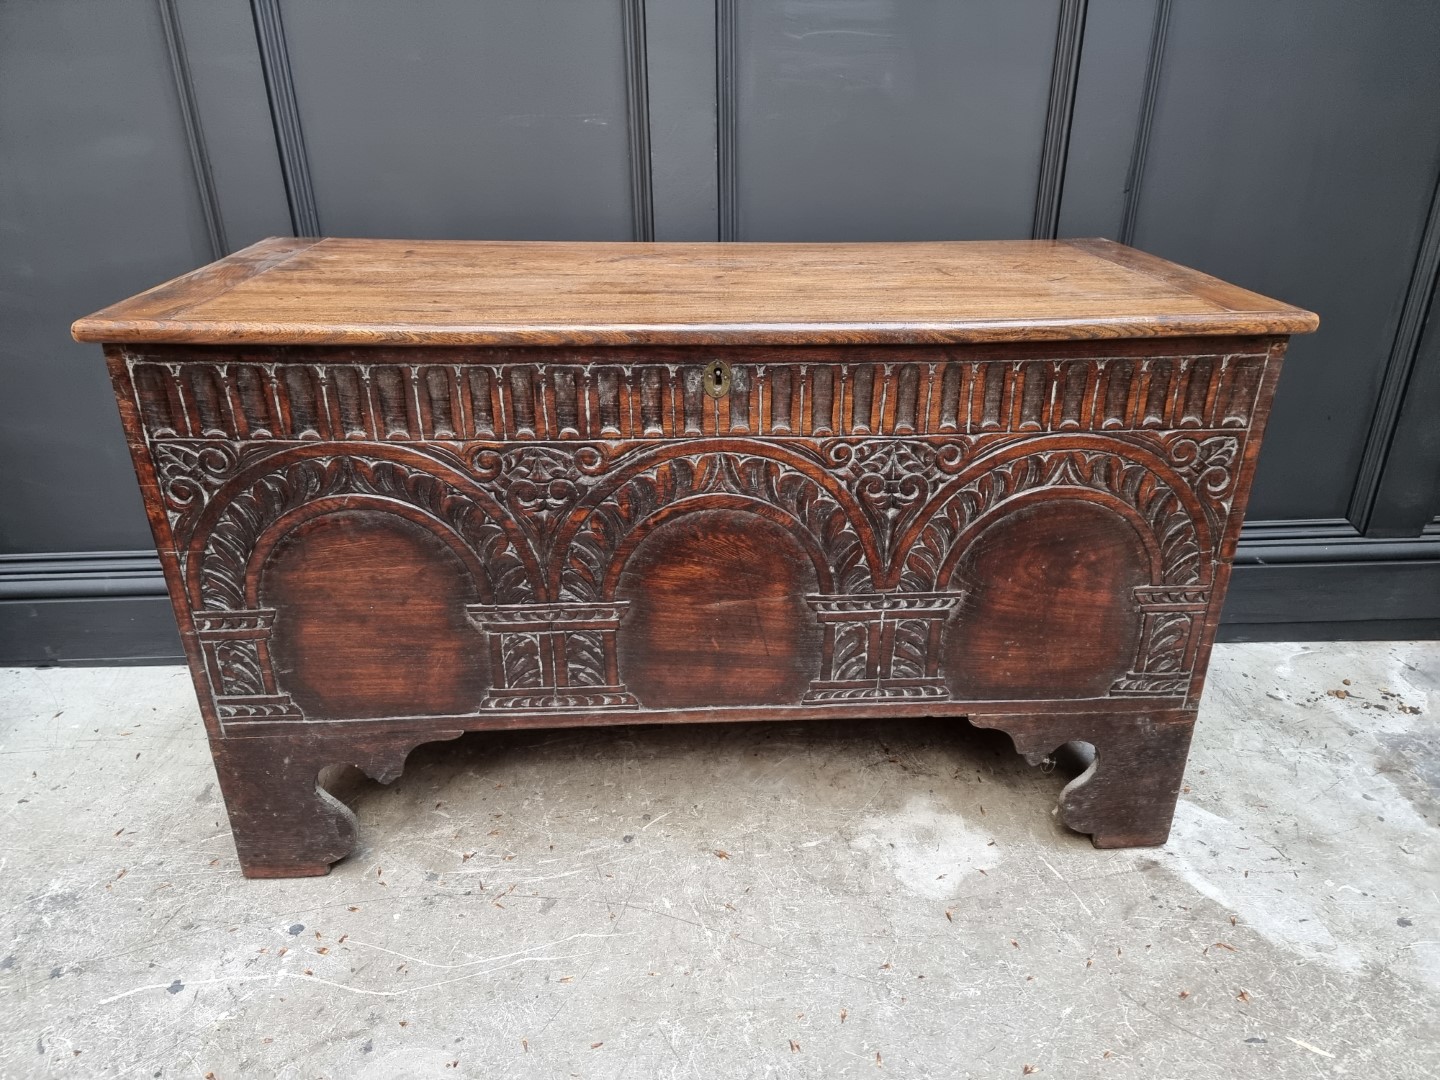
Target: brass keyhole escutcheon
column 717, row 378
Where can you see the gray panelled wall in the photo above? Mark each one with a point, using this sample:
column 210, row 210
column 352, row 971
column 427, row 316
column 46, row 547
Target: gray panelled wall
column 1292, row 146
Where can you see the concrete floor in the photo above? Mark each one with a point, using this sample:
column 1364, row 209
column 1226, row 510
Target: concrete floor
column 809, row 900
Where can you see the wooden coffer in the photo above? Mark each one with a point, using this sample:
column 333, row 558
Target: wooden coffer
column 406, row 490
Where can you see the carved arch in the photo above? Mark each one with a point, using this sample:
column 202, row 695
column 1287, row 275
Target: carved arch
column 1153, row 498
column 280, row 487
column 824, row 574
column 815, row 506
column 336, row 504
column 994, row 514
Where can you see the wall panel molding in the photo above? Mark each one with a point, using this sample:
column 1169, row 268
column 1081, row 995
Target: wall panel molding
column 1329, row 540
column 1116, row 71
column 60, row 575
column 637, row 116
column 1064, row 76
column 194, row 132
column 681, row 83
column 726, row 118
column 1321, row 579
column 1366, row 511
column 1135, row 176
column 232, row 111
column 1409, row 489
column 285, row 115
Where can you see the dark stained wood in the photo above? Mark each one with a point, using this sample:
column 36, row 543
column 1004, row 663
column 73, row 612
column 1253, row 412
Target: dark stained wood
column 717, row 614
column 285, row 823
column 1048, row 572
column 1127, row 797
column 411, row 542
column 371, row 620
column 391, row 292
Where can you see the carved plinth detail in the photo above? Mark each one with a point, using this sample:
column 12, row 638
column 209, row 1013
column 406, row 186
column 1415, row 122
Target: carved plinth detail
column 261, row 707
column 236, row 645
column 881, row 645
column 552, row 656
column 1165, row 658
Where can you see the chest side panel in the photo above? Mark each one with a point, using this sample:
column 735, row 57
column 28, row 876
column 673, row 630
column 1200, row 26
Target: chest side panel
column 570, row 536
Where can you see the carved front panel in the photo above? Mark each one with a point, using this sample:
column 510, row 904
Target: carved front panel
column 263, row 399
column 815, row 536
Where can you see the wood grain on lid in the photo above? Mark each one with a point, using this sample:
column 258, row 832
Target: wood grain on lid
column 395, row 292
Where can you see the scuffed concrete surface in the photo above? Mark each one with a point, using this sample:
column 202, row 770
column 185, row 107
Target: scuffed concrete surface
column 819, row 900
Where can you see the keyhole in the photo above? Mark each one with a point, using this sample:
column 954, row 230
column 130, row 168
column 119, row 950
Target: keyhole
column 717, row 379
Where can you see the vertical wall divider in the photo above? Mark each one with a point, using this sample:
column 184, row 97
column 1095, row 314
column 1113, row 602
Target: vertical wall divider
column 1365, row 512
column 1136, row 173
column 285, row 115
column 637, row 119
column 1064, row 74
column 726, row 108
column 194, row 132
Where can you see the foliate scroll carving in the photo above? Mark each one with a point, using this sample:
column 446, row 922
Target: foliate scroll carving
column 1157, row 505
column 189, row 474
column 539, row 485
column 1209, row 461
column 549, row 528
column 881, row 645
column 552, row 656
column 249, row 513
column 894, row 478
column 613, row 516
column 1210, row 464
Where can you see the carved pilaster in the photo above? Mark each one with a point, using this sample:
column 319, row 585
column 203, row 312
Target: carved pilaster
column 1165, row 658
column 236, row 645
column 552, row 656
column 881, row 645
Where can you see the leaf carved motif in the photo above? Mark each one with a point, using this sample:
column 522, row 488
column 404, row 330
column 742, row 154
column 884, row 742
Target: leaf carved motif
column 576, row 509
column 1209, row 464
column 249, row 513
column 239, row 667
column 189, row 475
column 520, row 654
column 894, row 478
column 769, row 482
column 1152, row 499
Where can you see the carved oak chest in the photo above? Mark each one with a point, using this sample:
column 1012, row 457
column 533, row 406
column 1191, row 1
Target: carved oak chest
column 406, row 490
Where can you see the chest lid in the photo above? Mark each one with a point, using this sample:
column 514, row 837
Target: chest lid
column 333, row 291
